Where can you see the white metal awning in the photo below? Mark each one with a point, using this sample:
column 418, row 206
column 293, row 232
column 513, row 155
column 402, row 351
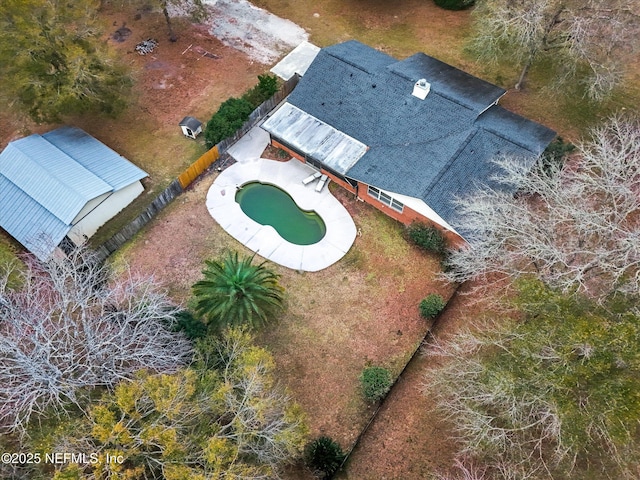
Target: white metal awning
column 312, row 137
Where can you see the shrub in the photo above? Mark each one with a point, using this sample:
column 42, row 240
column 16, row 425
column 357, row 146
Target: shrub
column 427, row 237
column 192, row 327
column 431, row 305
column 234, row 112
column 454, row 4
column 267, row 86
column 376, row 382
column 555, row 154
column 229, row 118
column 236, row 292
column 324, row 456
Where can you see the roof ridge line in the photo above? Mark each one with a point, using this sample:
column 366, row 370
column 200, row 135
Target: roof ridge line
column 61, row 180
column 354, row 65
column 55, row 177
column 446, row 168
column 493, row 132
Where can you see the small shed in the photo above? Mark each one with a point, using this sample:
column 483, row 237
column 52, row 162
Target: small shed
column 191, row 127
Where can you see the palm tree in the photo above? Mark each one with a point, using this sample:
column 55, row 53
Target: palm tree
column 235, row 292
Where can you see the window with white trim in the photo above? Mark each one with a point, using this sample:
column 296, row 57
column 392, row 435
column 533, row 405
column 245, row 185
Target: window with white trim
column 385, row 198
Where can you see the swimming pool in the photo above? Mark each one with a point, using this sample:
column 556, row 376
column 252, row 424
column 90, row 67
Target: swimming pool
column 270, row 205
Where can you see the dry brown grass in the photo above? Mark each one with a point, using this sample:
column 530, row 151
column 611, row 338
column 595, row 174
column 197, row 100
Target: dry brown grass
column 362, row 310
column 168, row 84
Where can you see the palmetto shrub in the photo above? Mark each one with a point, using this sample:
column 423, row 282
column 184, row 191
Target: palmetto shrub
column 237, row 292
column 324, row 456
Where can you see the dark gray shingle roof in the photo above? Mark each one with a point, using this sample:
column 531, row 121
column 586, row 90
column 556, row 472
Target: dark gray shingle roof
column 434, row 149
column 448, row 81
column 190, row 122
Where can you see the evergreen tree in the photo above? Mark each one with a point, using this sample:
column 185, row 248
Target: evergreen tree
column 54, row 62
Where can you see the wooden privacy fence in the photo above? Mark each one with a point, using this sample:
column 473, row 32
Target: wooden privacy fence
column 193, row 172
column 196, row 169
column 259, row 113
column 128, row 231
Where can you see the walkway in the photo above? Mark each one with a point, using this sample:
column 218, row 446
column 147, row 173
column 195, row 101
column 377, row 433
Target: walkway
column 263, row 239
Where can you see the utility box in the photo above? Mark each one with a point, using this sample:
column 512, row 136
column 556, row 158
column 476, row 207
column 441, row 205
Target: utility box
column 191, row 127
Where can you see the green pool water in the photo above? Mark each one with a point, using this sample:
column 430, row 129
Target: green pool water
column 269, row 205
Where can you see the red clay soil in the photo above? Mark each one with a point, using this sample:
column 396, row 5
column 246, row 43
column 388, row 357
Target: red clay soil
column 360, row 311
column 173, row 81
column 408, row 439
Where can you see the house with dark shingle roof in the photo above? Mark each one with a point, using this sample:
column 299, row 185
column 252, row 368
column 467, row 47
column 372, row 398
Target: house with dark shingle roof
column 64, row 184
column 408, row 136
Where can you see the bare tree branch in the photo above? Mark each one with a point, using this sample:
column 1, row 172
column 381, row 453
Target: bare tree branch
column 71, row 325
column 596, row 36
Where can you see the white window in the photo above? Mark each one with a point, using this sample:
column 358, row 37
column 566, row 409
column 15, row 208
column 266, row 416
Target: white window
column 386, row 199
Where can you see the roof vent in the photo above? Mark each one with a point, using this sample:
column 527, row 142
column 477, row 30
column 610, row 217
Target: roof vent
column 421, row 89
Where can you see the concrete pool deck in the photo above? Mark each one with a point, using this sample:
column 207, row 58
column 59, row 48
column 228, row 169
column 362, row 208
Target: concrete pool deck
column 263, row 239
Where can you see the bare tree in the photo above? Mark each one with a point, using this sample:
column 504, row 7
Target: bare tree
column 575, row 227
column 195, row 9
column 551, row 395
column 464, row 471
column 71, row 324
column 577, row 36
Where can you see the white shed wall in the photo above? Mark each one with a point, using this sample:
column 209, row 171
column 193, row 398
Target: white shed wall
column 104, row 212
column 91, row 204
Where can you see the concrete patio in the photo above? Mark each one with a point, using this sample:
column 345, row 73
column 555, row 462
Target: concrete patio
column 263, row 239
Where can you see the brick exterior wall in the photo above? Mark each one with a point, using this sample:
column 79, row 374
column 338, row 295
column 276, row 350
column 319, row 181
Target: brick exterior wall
column 406, row 217
column 409, row 216
column 294, row 154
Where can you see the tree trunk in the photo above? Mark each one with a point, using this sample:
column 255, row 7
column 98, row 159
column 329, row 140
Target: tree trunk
column 523, row 74
column 172, row 35
column 543, row 45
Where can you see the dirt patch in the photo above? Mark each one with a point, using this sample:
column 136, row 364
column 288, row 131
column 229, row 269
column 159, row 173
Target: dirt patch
column 173, row 81
column 263, row 36
column 121, row 34
column 276, row 154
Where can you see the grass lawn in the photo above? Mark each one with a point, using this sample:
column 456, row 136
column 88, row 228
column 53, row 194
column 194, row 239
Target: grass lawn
column 170, row 83
column 7, row 249
column 361, row 311
column 409, row 440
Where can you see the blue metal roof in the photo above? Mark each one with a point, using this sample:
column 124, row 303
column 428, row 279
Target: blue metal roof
column 50, row 176
column 95, row 156
column 434, row 149
column 46, row 180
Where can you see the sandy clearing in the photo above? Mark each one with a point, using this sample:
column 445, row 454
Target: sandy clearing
column 264, row 37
